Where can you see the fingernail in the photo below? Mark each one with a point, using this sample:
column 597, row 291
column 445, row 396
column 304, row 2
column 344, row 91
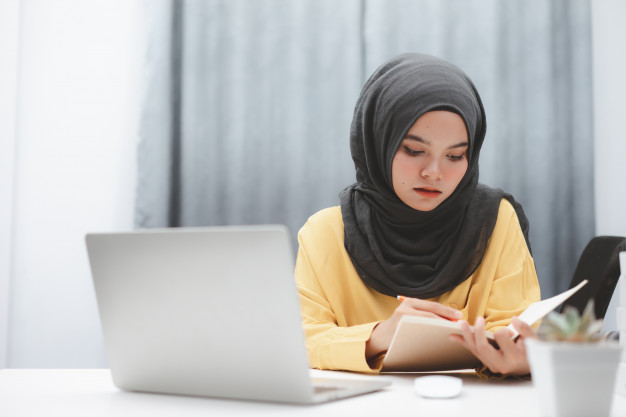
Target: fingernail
column 458, row 314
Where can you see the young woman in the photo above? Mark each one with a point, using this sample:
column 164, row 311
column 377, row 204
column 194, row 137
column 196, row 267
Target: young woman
column 417, row 224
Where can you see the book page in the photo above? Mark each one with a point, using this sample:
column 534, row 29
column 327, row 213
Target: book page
column 536, row 311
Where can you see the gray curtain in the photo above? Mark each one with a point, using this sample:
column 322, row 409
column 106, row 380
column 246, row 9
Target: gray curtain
column 248, row 104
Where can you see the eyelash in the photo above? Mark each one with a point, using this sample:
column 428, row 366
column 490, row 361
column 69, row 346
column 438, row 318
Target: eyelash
column 453, row 158
column 412, row 152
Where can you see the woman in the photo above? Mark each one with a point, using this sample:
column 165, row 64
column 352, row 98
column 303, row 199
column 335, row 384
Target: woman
column 417, row 224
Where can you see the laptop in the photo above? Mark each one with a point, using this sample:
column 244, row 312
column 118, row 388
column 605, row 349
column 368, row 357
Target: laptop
column 208, row 311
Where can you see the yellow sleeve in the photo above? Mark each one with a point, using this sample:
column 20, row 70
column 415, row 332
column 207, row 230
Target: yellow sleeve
column 334, row 340
column 515, row 285
column 329, row 346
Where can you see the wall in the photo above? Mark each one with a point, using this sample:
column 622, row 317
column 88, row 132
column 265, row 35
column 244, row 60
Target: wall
column 74, row 171
column 9, row 18
column 609, row 66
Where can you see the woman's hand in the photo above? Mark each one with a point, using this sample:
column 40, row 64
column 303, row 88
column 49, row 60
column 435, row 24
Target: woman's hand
column 510, row 359
column 382, row 334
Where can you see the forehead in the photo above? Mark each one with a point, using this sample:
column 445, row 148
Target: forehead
column 438, row 126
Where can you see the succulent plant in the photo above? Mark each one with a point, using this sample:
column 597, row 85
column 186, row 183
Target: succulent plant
column 570, row 326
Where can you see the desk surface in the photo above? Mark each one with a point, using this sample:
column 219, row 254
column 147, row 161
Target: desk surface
column 78, row 392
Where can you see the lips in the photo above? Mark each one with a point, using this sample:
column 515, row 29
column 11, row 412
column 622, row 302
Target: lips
column 428, row 192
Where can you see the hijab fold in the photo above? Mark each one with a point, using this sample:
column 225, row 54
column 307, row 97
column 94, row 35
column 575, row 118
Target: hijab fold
column 395, row 248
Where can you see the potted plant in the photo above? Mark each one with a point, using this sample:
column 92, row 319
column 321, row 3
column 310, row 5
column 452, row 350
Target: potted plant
column 573, row 369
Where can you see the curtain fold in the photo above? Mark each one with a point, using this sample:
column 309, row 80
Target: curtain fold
column 248, row 104
column 267, row 90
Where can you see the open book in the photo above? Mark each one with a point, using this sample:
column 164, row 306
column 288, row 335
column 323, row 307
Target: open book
column 422, row 344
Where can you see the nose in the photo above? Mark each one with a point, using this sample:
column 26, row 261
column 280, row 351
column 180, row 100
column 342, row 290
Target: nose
column 432, row 170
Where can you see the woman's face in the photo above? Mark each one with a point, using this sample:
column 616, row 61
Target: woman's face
column 431, row 160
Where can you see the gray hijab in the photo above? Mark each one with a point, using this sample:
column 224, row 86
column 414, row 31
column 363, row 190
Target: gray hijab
column 395, row 248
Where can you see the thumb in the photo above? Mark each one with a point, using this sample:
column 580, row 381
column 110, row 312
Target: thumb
column 523, row 328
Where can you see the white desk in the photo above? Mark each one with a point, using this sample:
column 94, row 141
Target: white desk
column 71, row 393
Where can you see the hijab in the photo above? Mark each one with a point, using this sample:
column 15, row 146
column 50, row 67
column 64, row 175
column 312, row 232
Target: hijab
column 394, row 248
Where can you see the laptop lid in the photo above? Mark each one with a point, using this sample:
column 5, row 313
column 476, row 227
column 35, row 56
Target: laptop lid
column 203, row 311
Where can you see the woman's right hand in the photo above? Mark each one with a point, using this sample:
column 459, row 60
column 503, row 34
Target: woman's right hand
column 382, row 334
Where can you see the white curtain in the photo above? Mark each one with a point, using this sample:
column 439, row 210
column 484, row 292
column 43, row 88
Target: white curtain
column 248, row 104
column 9, row 18
column 69, row 147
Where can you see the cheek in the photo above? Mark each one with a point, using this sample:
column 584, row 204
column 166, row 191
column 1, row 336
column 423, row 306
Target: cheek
column 402, row 169
column 396, row 171
column 456, row 172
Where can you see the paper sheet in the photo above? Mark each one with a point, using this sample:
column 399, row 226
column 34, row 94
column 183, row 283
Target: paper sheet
column 538, row 310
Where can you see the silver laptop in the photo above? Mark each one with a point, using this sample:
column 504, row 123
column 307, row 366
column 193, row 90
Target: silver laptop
column 207, row 312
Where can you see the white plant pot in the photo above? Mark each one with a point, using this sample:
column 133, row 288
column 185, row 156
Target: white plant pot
column 573, row 379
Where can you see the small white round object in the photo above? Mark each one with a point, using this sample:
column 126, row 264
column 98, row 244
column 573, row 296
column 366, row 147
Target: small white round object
column 438, row 386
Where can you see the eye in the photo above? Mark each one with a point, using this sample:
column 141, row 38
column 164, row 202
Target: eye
column 411, row 152
column 456, row 158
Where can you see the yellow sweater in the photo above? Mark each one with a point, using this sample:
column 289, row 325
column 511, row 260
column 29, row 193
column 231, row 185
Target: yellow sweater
column 340, row 311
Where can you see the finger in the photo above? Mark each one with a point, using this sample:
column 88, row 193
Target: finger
column 523, row 328
column 494, row 358
column 482, row 343
column 476, row 342
column 456, row 338
column 513, row 354
column 467, row 337
column 409, row 311
column 433, row 307
column 503, row 338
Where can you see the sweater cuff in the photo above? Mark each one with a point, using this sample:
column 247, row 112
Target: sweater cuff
column 348, row 353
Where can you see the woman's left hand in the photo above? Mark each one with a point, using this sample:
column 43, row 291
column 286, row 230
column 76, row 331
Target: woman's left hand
column 510, row 359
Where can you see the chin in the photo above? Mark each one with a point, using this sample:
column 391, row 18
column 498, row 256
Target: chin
column 421, row 204
column 424, row 207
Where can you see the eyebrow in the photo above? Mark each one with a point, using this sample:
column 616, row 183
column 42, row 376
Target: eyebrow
column 427, row 142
